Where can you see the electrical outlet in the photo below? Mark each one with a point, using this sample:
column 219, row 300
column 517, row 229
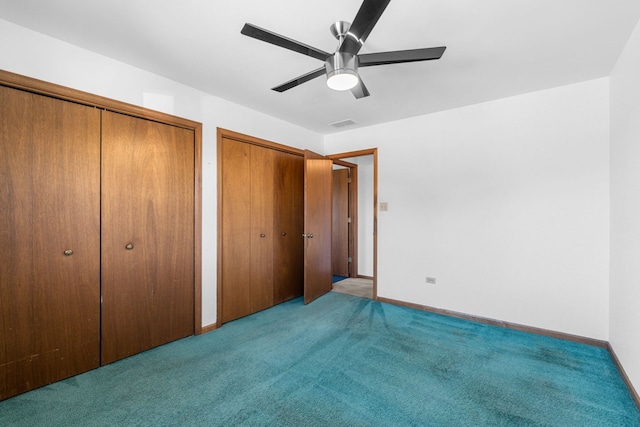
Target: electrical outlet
column 431, row 280
column 384, row 206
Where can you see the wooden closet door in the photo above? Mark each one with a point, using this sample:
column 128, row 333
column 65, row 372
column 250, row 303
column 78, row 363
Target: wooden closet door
column 147, row 235
column 235, row 220
column 288, row 251
column 247, row 228
column 49, row 240
column 262, row 234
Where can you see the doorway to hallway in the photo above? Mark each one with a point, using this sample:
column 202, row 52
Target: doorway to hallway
column 355, row 233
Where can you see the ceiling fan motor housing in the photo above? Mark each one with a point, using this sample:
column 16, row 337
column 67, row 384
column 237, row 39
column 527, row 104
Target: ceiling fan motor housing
column 341, row 66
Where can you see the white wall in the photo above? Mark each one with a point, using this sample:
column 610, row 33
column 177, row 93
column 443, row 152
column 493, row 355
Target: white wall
column 625, row 208
column 506, row 203
column 32, row 54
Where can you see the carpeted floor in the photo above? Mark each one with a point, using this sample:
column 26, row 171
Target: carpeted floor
column 355, row 286
column 342, row 361
column 337, row 278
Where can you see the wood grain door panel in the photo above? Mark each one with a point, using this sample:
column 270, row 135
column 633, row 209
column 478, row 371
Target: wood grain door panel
column 49, row 204
column 147, row 234
column 261, row 192
column 340, row 223
column 235, row 233
column 288, row 250
column 261, row 224
column 317, row 223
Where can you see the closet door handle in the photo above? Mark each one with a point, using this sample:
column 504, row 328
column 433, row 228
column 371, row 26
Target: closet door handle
column 308, row 236
column 129, row 246
column 263, row 235
column 68, row 252
column 284, row 233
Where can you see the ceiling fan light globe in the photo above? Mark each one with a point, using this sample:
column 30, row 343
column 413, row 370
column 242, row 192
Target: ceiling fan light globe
column 341, row 80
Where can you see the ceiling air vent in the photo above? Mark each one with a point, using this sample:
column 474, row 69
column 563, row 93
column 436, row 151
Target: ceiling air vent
column 342, row 123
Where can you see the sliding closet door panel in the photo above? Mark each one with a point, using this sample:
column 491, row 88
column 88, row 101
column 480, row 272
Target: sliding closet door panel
column 49, row 240
column 288, row 227
column 147, row 235
column 262, row 236
column 235, row 232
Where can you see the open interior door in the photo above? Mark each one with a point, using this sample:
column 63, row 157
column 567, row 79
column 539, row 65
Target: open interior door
column 317, row 225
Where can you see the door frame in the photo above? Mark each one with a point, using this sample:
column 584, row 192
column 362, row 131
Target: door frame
column 337, row 158
column 53, row 90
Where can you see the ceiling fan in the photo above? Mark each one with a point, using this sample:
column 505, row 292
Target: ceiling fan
column 341, row 67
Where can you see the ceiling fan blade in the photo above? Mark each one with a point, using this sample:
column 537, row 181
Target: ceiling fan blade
column 400, row 56
column 366, row 18
column 282, row 41
column 299, row 80
column 360, row 90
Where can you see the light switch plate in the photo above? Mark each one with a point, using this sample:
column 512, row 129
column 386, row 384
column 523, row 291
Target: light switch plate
column 384, row 206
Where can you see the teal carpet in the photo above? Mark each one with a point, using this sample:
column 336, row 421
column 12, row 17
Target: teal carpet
column 342, row 361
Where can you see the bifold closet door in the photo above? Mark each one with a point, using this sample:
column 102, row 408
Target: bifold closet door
column 288, row 262
column 247, row 187
column 147, row 234
column 262, row 232
column 49, row 240
column 235, row 188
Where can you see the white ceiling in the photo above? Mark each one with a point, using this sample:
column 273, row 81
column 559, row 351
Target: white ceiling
column 495, row 48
